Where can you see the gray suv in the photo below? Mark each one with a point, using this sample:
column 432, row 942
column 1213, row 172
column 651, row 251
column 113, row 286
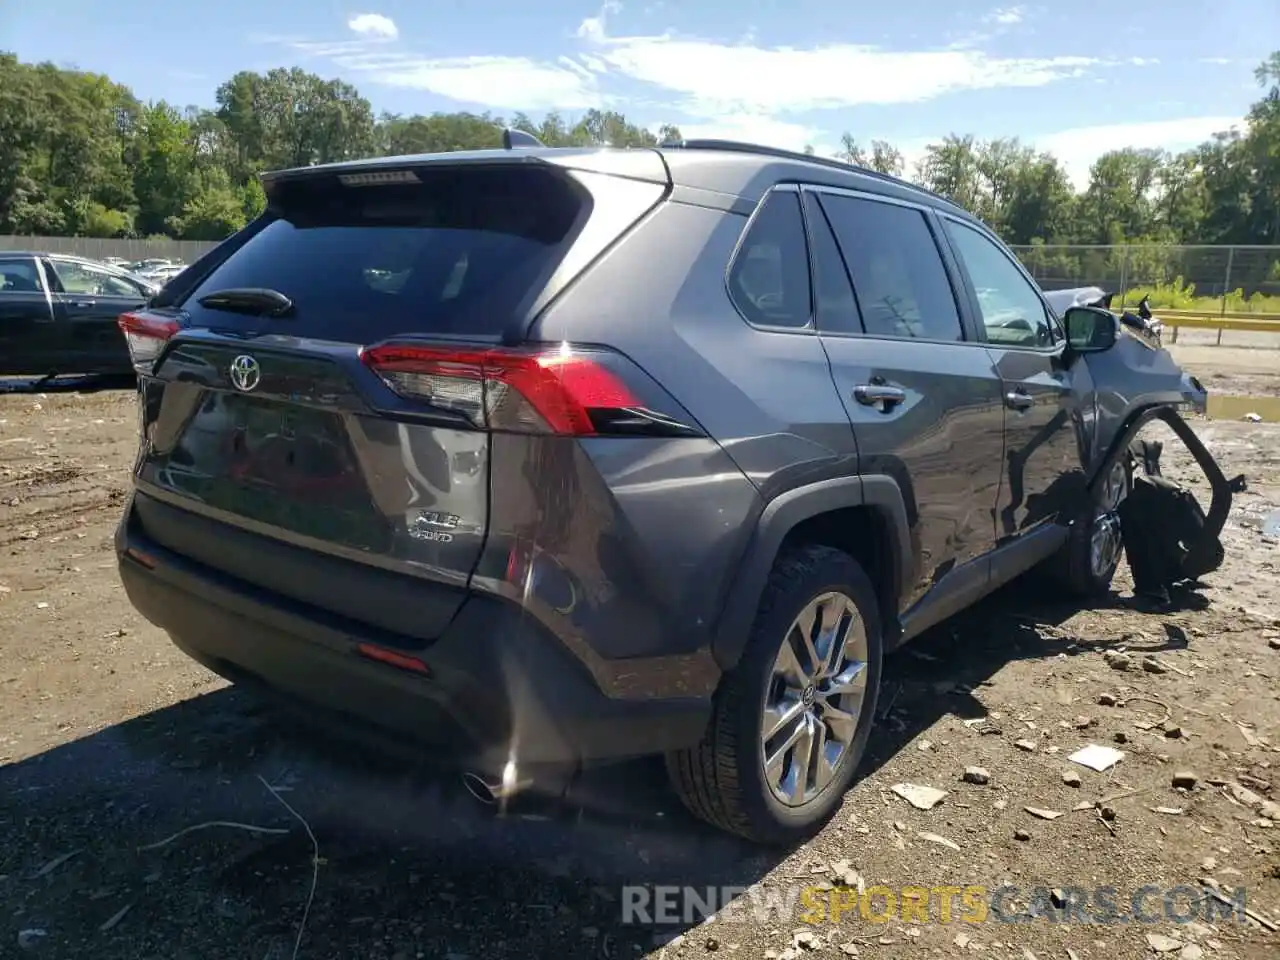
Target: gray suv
column 542, row 458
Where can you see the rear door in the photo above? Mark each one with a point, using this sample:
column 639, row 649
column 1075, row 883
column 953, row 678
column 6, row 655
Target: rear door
column 90, row 299
column 30, row 336
column 287, row 448
column 921, row 393
column 1043, row 415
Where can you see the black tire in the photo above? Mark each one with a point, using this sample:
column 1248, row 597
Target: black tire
column 721, row 780
column 1072, row 565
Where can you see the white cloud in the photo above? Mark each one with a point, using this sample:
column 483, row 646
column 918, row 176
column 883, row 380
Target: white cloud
column 1078, row 148
column 593, row 28
column 505, row 83
column 495, row 81
column 374, row 25
column 742, row 90
column 715, row 79
column 1006, row 16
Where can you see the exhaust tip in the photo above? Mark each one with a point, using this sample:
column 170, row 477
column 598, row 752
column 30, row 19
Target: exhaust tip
column 480, row 788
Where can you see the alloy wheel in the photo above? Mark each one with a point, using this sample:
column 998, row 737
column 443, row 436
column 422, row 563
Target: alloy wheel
column 1105, row 540
column 813, row 699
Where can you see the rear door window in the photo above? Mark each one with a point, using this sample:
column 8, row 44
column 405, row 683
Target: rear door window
column 82, row 279
column 899, row 279
column 459, row 252
column 836, row 307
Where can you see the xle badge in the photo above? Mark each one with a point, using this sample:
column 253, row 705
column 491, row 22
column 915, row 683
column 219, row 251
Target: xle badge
column 431, row 525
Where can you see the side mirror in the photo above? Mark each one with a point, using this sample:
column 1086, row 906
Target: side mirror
column 1089, row 329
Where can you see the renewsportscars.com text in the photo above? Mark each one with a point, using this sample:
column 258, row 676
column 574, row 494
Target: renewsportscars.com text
column 971, row 903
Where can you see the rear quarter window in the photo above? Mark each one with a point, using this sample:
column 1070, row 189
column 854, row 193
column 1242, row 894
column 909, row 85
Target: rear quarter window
column 461, row 252
column 769, row 277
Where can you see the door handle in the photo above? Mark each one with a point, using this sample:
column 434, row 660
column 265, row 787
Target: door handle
column 871, row 394
column 1018, row 400
column 82, row 304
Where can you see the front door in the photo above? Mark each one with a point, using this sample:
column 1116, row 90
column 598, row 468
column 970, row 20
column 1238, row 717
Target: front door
column 922, row 395
column 1043, row 427
column 30, row 336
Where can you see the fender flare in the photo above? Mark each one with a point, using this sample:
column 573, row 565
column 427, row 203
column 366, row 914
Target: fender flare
column 778, row 518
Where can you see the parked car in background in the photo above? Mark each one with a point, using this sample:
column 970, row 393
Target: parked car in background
column 162, row 275
column 154, row 266
column 58, row 314
column 120, row 262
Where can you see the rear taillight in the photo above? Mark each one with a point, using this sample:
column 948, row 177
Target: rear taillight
column 146, row 334
column 561, row 389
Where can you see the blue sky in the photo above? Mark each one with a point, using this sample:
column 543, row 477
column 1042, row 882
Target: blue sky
column 1074, row 77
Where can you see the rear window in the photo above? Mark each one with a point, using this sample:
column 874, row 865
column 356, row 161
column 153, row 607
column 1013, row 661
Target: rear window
column 462, row 252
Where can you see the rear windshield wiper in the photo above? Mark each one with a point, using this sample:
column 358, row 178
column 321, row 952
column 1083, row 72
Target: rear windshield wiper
column 258, row 301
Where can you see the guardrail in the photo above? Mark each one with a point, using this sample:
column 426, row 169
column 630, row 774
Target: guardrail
column 1255, row 323
column 1172, row 320
column 1219, row 321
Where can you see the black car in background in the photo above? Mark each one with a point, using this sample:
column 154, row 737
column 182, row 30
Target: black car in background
column 58, row 314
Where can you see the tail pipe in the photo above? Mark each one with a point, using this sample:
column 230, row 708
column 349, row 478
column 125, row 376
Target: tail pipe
column 527, row 790
column 496, row 791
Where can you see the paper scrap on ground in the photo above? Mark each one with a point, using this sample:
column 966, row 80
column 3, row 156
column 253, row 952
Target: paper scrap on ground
column 920, row 797
column 1097, row 758
column 1042, row 813
column 935, row 838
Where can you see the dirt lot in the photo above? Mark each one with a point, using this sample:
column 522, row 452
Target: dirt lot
column 111, row 741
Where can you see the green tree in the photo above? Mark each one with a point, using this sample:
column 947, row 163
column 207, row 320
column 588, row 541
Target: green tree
column 215, row 211
column 80, row 155
column 951, row 169
column 164, row 166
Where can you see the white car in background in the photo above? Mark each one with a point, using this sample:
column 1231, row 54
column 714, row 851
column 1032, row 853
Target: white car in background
column 163, row 275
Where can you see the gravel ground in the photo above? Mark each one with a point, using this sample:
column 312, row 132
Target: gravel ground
column 111, row 742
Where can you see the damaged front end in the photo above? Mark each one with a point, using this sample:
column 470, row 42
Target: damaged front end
column 1168, row 538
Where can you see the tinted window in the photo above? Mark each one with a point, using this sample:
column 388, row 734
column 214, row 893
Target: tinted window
column 769, row 280
column 459, row 252
column 898, row 276
column 19, row 276
column 1012, row 311
column 835, row 308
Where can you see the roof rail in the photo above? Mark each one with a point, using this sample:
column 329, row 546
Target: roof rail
column 512, row 138
column 739, row 146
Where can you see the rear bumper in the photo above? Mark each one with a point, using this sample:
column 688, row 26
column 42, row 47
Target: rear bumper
column 499, row 686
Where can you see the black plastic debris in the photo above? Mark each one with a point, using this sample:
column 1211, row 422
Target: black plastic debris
column 1168, row 537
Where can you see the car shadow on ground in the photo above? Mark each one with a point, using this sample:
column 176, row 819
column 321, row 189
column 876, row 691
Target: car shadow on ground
column 937, row 673
column 405, row 862
column 71, row 383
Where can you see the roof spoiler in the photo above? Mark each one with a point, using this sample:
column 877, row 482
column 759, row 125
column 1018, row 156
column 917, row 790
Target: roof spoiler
column 512, row 138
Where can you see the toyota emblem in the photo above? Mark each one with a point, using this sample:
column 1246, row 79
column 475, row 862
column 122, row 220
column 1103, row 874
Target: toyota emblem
column 245, row 373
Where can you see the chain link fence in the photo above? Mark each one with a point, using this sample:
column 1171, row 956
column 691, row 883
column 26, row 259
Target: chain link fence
column 1226, row 280
column 1222, row 279
column 96, row 248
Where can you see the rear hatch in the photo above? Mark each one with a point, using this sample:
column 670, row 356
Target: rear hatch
column 319, row 394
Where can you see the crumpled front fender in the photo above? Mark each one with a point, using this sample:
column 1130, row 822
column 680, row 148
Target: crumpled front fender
column 1135, row 374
